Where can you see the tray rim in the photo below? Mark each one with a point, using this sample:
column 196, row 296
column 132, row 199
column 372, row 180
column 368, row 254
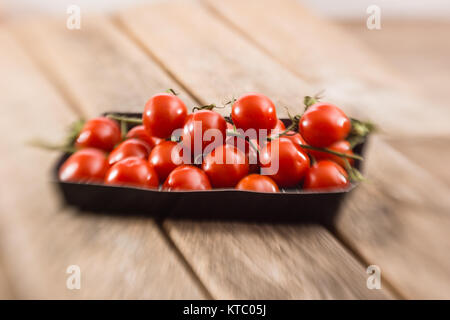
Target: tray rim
column 290, row 191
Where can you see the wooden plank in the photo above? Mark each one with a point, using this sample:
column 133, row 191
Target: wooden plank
column 398, row 219
column 431, row 154
column 214, row 71
column 421, row 56
column 415, row 49
column 251, row 261
column 97, row 68
column 319, row 52
column 241, row 260
column 5, row 288
column 118, row 257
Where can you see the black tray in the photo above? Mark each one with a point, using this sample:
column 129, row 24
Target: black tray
column 290, row 205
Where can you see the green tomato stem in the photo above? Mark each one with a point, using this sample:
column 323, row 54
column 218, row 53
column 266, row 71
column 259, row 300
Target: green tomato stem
column 336, row 153
column 47, row 146
column 236, row 134
column 124, row 119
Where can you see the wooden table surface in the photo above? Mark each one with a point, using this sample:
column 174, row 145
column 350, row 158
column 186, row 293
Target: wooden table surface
column 210, row 51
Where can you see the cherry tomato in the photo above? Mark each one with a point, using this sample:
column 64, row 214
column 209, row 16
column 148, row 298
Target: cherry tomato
column 225, row 166
column 129, row 148
column 296, row 138
column 187, row 177
column 163, row 114
column 162, row 161
column 101, row 133
column 325, row 175
column 342, row 146
column 292, row 162
column 85, row 165
column 134, row 172
column 254, row 111
column 196, row 126
column 256, row 182
column 139, row 132
column 323, row 124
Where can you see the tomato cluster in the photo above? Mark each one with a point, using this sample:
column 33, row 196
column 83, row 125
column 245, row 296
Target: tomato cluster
column 165, row 150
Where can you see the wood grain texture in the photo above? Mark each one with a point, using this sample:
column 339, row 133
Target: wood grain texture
column 431, row 154
column 209, row 59
column 319, row 52
column 97, row 68
column 415, row 48
column 118, row 257
column 251, row 261
column 5, row 288
column 241, row 260
column 399, row 220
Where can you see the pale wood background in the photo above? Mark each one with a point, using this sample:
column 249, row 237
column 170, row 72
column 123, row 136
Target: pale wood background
column 209, row 51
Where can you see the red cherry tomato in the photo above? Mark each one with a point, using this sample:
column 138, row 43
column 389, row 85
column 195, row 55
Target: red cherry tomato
column 139, row 132
column 323, row 124
column 134, row 172
column 163, row 114
column 225, row 166
column 293, row 162
column 162, row 161
column 342, row 146
column 101, row 133
column 256, row 182
column 296, row 138
column 187, row 177
column 85, row 165
column 129, row 148
column 325, row 175
column 254, row 111
column 196, row 126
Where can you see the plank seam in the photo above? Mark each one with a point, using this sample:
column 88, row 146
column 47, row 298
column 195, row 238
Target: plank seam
column 122, row 27
column 355, row 253
column 183, row 260
column 135, row 39
column 245, row 36
column 49, row 76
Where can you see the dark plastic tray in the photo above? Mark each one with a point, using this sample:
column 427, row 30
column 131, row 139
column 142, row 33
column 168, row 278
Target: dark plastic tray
column 290, row 205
